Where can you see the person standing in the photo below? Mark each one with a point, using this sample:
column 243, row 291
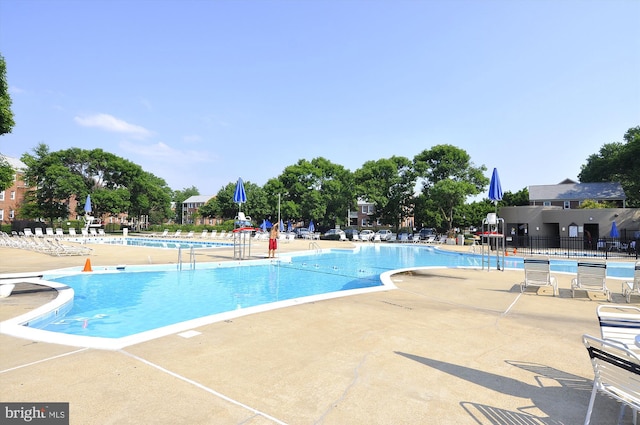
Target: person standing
column 273, row 241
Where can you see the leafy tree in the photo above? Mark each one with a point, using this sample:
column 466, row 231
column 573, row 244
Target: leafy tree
column 6, row 125
column 255, row 207
column 449, row 178
column 6, row 174
column 6, row 115
column 617, row 162
column 520, row 198
column 116, row 185
column 389, row 184
column 321, row 190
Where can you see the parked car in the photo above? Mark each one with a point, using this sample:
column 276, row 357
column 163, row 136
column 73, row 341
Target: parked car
column 384, row 234
column 366, row 235
column 427, row 232
column 351, row 233
column 302, row 232
column 405, row 235
column 333, row 232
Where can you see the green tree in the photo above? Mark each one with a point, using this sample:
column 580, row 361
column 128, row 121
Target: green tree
column 6, row 174
column 448, row 179
column 6, row 115
column 617, row 162
column 317, row 190
column 255, row 207
column 389, row 184
column 116, row 185
column 520, row 198
column 6, row 125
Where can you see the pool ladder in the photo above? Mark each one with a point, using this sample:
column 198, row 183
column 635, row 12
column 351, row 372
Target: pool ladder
column 192, row 258
column 314, row 245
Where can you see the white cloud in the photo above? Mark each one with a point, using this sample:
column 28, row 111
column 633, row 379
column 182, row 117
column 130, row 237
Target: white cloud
column 162, row 151
column 110, row 123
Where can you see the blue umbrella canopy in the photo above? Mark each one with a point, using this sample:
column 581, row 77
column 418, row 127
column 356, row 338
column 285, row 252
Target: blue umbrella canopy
column 289, row 226
column 239, row 195
column 614, row 231
column 495, row 188
column 87, row 204
column 281, row 225
column 312, row 228
column 263, row 226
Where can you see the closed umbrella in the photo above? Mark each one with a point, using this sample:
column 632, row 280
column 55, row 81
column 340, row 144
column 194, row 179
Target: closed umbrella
column 281, row 225
column 495, row 188
column 312, row 228
column 87, row 204
column 263, row 226
column 614, row 231
column 289, row 226
column 239, row 195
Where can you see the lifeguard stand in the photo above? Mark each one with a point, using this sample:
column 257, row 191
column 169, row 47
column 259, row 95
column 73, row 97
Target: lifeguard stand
column 492, row 239
column 242, row 237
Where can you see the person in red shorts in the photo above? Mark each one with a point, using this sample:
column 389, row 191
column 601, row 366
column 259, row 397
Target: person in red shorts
column 273, row 241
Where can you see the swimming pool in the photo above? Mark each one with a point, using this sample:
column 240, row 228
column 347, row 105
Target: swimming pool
column 117, row 307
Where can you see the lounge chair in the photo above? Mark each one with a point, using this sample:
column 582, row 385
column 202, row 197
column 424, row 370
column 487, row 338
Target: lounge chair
column 632, row 287
column 38, row 232
column 189, row 235
column 101, row 232
column 93, row 232
column 204, row 234
column 72, row 232
column 213, row 234
column 620, row 323
column 616, row 372
column 28, row 232
column 49, row 232
column 59, row 232
column 591, row 277
column 538, row 274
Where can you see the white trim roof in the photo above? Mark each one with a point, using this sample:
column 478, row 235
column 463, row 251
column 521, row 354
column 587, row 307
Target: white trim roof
column 198, row 199
column 15, row 163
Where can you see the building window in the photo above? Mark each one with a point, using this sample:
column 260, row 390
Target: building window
column 12, row 214
column 364, row 222
column 546, row 203
column 13, row 195
column 2, row 196
column 1, row 215
column 567, row 205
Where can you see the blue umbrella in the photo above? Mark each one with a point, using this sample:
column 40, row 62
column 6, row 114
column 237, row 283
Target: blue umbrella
column 614, row 231
column 495, row 188
column 289, row 226
column 312, row 228
column 87, row 205
column 239, row 195
column 281, row 225
column 263, row 226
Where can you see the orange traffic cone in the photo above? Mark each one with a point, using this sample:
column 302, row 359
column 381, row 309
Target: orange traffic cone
column 87, row 266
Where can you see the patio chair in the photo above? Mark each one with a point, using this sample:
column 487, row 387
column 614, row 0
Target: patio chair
column 72, row 232
column 93, row 232
column 620, row 323
column 632, row 287
column 49, row 232
column 537, row 273
column 28, row 232
column 38, row 232
column 591, row 277
column 616, row 372
column 59, row 232
column 204, row 234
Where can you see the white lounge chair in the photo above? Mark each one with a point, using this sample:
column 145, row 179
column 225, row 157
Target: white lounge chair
column 28, row 232
column 93, row 231
column 38, row 232
column 620, row 323
column 101, row 232
column 189, row 235
column 632, row 287
column 213, row 234
column 204, row 234
column 537, row 273
column 59, row 232
column 591, row 277
column 616, row 371
column 49, row 232
column 72, row 232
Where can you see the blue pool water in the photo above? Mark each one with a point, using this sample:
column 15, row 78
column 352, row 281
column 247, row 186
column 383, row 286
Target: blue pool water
column 119, row 304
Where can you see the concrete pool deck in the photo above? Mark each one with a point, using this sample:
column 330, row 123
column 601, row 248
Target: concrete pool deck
column 459, row 346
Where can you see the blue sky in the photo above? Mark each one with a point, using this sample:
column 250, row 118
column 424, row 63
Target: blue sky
column 203, row 92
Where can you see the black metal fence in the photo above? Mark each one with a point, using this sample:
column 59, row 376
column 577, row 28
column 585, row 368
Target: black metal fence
column 574, row 247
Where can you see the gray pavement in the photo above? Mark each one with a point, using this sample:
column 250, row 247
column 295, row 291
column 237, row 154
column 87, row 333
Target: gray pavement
column 449, row 346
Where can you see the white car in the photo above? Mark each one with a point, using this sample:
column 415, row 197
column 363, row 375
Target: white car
column 366, row 235
column 385, row 235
